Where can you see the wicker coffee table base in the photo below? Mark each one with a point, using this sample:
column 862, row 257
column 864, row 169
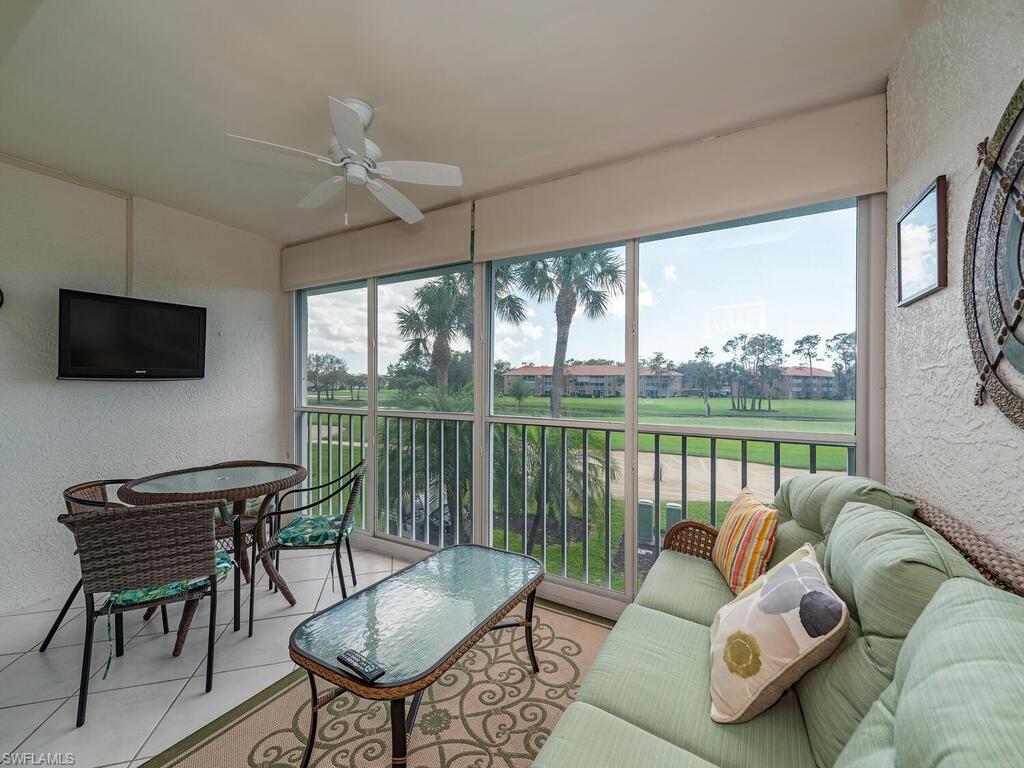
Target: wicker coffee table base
column 402, row 721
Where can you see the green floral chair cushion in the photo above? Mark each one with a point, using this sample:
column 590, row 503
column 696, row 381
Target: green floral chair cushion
column 147, row 594
column 313, row 531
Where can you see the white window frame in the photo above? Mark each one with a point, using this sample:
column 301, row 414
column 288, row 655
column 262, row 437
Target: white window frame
column 868, row 439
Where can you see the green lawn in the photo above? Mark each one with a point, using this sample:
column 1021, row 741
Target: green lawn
column 802, row 415
column 597, row 543
column 830, row 416
column 597, row 539
column 812, row 416
column 825, row 416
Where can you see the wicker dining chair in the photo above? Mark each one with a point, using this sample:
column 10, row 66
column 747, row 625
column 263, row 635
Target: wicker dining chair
column 310, row 531
column 127, row 552
column 78, row 498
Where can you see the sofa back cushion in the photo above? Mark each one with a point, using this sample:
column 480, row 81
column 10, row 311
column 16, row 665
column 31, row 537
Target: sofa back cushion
column 958, row 691
column 886, row 567
column 809, row 505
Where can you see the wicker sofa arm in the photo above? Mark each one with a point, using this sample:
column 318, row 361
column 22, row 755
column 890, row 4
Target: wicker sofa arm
column 691, row 537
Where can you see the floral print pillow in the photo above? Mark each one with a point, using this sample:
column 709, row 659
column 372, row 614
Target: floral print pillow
column 782, row 625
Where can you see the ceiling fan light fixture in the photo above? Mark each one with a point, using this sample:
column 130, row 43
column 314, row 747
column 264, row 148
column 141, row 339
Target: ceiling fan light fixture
column 355, row 174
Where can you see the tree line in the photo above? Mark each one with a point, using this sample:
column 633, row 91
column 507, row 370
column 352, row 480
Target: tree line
column 328, row 374
column 582, row 282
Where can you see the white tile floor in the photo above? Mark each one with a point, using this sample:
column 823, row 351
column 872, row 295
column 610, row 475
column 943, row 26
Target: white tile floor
column 149, row 699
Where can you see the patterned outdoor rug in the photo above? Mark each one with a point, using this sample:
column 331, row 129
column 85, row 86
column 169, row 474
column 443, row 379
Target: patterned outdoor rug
column 487, row 710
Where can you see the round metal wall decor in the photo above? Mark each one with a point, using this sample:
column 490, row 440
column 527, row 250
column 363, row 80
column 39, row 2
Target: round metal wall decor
column 994, row 266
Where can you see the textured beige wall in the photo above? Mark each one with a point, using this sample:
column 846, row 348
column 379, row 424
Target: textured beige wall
column 53, row 433
column 947, row 93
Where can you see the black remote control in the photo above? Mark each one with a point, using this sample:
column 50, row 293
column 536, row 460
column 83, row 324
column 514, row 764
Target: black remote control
column 361, row 665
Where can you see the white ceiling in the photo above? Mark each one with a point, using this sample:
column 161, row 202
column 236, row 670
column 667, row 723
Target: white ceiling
column 138, row 94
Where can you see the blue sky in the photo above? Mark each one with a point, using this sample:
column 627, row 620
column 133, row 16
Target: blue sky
column 788, row 277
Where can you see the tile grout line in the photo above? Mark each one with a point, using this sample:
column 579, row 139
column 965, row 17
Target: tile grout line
column 45, row 719
column 189, row 679
column 138, row 754
column 148, row 736
column 59, row 702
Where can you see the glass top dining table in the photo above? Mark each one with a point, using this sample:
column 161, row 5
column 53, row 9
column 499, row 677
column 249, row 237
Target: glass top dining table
column 234, row 482
column 213, row 479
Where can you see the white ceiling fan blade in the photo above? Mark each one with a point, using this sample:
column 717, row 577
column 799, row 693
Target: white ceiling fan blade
column 348, row 128
column 280, row 148
column 416, row 172
column 322, row 192
column 395, row 201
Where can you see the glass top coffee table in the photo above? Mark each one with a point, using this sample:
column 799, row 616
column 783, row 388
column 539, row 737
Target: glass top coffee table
column 415, row 624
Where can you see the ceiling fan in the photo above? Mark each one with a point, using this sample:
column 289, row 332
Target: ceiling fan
column 358, row 161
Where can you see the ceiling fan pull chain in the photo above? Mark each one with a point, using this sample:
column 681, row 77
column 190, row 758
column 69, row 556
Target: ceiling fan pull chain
column 346, row 205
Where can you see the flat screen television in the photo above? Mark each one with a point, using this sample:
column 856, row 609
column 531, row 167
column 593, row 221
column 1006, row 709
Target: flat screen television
column 114, row 337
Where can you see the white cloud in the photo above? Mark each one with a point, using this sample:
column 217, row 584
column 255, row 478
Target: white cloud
column 336, row 324
column 506, row 349
column 531, row 331
column 669, row 271
column 617, row 304
column 918, row 256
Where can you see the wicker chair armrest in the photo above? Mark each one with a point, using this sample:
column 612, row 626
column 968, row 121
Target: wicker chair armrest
column 265, row 512
column 332, row 481
column 691, row 537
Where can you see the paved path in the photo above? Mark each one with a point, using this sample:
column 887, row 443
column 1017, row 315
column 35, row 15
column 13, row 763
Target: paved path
column 760, row 477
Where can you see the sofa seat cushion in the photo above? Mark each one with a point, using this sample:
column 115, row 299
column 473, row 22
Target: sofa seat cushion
column 886, row 567
column 587, row 737
column 653, row 672
column 958, row 692
column 808, row 506
column 314, row 530
column 688, row 587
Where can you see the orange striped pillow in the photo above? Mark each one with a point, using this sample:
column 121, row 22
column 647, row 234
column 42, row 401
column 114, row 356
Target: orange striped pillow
column 745, row 541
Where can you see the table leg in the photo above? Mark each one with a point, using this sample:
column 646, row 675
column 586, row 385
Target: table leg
column 311, row 739
column 529, row 631
column 237, row 510
column 398, row 732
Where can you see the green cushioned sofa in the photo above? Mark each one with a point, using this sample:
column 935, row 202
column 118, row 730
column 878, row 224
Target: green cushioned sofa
column 927, row 633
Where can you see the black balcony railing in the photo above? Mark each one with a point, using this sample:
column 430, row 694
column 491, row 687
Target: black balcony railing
column 557, row 495
column 558, row 491
column 334, row 443
column 684, row 474
column 425, row 478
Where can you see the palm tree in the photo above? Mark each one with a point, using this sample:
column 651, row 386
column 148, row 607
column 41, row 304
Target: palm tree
column 429, row 515
column 586, row 279
column 547, row 486
column 443, row 311
column 434, row 323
